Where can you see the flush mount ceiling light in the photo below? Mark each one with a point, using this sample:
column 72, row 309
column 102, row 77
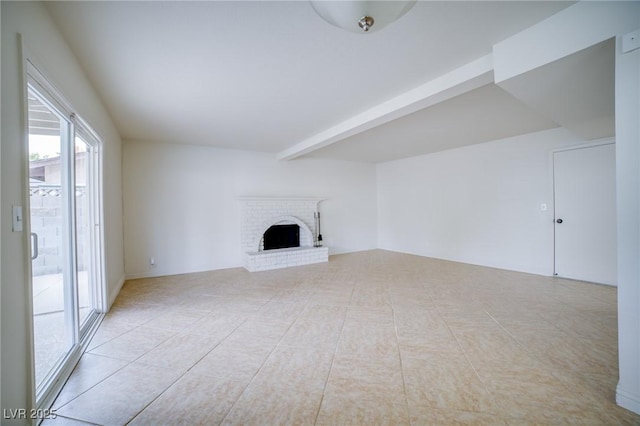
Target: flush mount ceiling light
column 361, row 16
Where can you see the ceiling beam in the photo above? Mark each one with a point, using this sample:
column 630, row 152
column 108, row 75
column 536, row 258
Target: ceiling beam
column 461, row 80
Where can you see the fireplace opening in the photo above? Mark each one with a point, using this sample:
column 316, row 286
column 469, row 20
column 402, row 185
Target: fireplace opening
column 281, row 236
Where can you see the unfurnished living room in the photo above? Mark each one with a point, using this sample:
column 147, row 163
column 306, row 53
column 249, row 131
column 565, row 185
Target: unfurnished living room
column 320, row 212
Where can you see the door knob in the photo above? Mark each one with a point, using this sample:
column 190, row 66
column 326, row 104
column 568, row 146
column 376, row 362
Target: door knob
column 558, row 220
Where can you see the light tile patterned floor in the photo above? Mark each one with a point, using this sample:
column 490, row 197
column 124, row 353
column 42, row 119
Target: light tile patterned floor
column 368, row 338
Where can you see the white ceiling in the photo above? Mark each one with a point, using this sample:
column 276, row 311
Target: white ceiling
column 578, row 91
column 267, row 75
column 481, row 115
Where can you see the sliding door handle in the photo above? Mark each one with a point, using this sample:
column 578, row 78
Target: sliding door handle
column 34, row 246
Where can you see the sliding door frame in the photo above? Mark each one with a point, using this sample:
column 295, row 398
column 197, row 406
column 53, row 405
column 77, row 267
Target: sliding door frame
column 32, row 76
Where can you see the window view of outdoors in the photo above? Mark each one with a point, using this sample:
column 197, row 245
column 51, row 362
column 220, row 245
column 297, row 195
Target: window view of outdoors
column 50, row 221
column 51, row 342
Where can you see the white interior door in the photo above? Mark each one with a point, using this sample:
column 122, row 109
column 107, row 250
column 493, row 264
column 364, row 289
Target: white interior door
column 585, row 213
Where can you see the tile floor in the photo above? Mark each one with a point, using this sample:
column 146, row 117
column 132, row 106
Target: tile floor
column 368, row 338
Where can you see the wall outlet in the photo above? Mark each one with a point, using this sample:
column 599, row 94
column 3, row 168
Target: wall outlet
column 152, row 261
column 543, row 207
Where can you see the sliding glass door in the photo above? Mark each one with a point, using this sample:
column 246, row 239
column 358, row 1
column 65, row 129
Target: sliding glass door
column 86, row 232
column 65, row 237
column 50, row 248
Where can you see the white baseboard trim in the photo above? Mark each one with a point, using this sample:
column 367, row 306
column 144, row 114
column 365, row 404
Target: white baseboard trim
column 114, row 292
column 166, row 273
column 627, row 400
column 141, row 275
column 513, row 268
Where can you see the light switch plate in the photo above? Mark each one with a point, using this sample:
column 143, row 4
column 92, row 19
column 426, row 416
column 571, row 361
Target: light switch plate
column 17, row 218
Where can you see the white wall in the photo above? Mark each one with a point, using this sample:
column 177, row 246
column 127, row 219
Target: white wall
column 181, row 203
column 628, row 198
column 479, row 204
column 578, row 27
column 50, row 50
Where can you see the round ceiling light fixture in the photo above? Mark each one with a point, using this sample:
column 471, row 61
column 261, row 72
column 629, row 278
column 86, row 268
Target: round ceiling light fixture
column 361, row 16
column 365, row 23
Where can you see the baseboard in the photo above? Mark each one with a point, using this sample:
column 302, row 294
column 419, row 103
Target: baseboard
column 142, row 275
column 167, row 273
column 472, row 262
column 160, row 272
column 334, row 252
column 115, row 291
column 629, row 401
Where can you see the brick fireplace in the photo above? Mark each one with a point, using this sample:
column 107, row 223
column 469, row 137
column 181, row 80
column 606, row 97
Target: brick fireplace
column 259, row 214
